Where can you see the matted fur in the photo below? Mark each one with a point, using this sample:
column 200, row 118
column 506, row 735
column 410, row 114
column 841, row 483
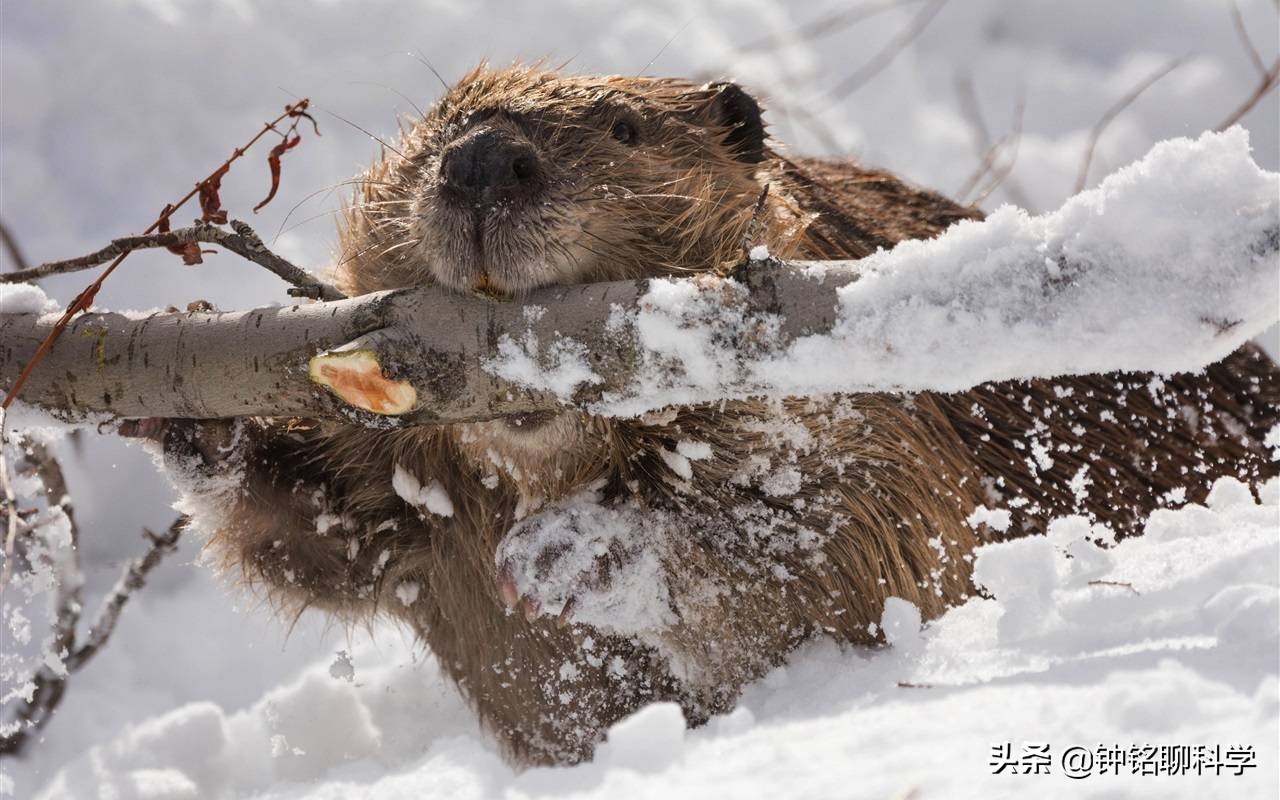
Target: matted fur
column 807, row 515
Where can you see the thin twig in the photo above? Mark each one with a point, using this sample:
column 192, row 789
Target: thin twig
column 241, row 240
column 1238, row 20
column 1117, row 584
column 811, row 123
column 1114, row 111
column 50, row 686
column 890, row 51
column 1268, row 82
column 828, row 24
column 11, row 247
column 1011, row 143
column 10, row 509
column 985, row 148
column 132, row 579
column 83, row 300
column 988, row 160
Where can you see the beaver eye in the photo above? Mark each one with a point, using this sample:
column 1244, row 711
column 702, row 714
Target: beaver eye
column 625, row 132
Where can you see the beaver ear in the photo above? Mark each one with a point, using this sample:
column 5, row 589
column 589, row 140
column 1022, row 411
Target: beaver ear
column 733, row 108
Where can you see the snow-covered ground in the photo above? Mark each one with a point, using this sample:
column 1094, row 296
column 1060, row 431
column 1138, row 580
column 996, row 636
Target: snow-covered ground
column 1166, row 639
column 111, row 108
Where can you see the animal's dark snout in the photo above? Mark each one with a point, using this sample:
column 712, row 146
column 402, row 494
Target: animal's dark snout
column 489, row 165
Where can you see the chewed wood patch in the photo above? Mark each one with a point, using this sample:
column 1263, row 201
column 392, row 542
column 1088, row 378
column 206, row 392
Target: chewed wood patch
column 356, row 377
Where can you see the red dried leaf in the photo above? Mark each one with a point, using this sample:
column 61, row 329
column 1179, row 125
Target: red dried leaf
column 211, row 209
column 84, row 299
column 298, row 112
column 190, row 251
column 191, row 254
column 273, row 161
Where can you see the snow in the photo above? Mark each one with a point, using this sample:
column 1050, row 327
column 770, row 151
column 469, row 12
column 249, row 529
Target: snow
column 432, row 497
column 1072, row 292
column 995, row 518
column 560, row 372
column 693, row 450
column 163, row 88
column 554, row 555
column 24, row 298
column 1168, row 638
column 407, row 592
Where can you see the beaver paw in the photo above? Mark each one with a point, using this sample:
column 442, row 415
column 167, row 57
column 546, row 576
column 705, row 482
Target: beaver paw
column 195, row 446
column 587, row 562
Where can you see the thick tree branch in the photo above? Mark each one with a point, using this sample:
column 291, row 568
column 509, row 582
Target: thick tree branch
column 1074, row 292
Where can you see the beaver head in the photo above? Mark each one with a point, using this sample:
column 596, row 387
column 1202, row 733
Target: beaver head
column 520, row 178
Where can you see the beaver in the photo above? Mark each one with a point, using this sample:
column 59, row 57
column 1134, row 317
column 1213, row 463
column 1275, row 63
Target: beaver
column 566, row 569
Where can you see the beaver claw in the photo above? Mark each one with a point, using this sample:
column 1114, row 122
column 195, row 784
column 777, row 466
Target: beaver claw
column 579, row 562
column 192, row 444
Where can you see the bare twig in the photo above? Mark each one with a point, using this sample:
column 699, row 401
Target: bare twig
column 132, row 579
column 1238, row 20
column 241, row 240
column 83, row 300
column 1117, row 584
column 1114, row 111
column 1268, row 82
column 986, row 149
column 11, row 247
column 828, row 24
column 989, row 157
column 1010, row 143
column 50, row 686
column 888, row 53
column 805, row 120
column 10, row 509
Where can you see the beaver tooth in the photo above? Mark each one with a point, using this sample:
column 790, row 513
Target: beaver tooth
column 565, row 613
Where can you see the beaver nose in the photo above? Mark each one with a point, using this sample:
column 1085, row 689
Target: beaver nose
column 489, row 165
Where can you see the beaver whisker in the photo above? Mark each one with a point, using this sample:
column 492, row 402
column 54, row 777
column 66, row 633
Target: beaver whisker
column 398, row 245
column 326, row 191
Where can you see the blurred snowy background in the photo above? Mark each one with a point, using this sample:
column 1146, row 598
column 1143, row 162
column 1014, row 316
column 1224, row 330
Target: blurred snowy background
column 110, row 109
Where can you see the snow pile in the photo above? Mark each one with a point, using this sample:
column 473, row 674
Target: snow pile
column 24, row 298
column 1164, row 639
column 1073, row 292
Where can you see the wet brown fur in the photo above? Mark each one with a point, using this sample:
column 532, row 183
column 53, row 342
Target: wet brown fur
column 885, row 482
